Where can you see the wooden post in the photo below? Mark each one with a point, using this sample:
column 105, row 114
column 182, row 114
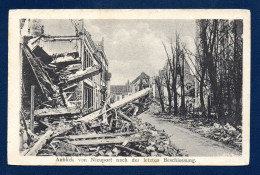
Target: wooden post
column 32, row 109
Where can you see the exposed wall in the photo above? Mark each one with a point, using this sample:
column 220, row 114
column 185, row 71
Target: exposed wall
column 58, row 46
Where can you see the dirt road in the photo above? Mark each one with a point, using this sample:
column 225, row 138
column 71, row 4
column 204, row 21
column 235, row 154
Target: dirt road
column 190, row 143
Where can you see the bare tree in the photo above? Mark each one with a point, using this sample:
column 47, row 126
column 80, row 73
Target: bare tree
column 182, row 73
column 158, row 82
column 172, row 62
column 221, row 43
column 198, row 68
column 167, row 78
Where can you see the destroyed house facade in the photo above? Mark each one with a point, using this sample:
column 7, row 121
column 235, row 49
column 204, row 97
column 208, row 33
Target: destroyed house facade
column 119, row 92
column 67, row 72
column 141, row 82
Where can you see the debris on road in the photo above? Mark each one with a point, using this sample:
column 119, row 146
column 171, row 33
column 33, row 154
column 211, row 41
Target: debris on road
column 114, row 130
column 226, row 134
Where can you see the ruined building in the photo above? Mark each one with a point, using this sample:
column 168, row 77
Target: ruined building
column 119, row 92
column 70, row 73
column 141, row 82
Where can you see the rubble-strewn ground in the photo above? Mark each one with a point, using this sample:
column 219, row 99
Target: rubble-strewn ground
column 193, row 137
column 133, row 129
column 116, row 131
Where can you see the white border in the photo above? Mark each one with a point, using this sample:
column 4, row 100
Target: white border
column 14, row 73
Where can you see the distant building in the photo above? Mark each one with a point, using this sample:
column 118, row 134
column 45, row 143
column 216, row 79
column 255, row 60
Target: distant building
column 141, row 82
column 119, row 92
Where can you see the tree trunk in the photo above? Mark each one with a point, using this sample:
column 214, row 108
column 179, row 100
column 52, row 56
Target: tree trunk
column 238, row 76
column 209, row 107
column 169, row 97
column 183, row 111
column 202, row 103
column 160, row 94
column 217, row 90
column 175, row 98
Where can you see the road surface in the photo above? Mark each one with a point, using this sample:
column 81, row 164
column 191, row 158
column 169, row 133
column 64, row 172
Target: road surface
column 188, row 142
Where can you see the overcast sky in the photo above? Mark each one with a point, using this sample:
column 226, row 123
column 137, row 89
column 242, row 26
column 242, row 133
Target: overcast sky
column 131, row 46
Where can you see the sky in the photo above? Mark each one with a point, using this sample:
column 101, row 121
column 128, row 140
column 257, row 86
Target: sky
column 131, row 46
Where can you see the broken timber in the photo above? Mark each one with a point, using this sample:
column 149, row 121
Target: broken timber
column 124, row 116
column 93, row 136
column 57, row 111
column 32, row 108
column 119, row 140
column 117, row 104
column 40, row 143
column 81, row 74
column 62, row 111
column 75, row 111
column 104, row 109
column 131, row 150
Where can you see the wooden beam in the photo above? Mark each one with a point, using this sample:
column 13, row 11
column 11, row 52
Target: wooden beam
column 131, row 150
column 113, row 106
column 119, row 140
column 69, row 87
column 60, row 132
column 25, row 126
column 45, row 124
column 105, row 104
column 81, row 74
column 40, row 143
column 124, row 116
column 32, row 109
column 129, row 110
column 24, row 152
column 52, row 112
column 117, row 104
column 104, row 108
column 92, row 136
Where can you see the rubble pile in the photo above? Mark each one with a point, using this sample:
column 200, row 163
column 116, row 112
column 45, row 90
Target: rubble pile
column 226, row 134
column 114, row 130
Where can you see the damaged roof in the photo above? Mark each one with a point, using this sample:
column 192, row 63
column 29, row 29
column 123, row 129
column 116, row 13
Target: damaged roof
column 119, row 89
column 141, row 76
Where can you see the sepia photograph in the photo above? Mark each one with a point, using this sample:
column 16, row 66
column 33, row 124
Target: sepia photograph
column 151, row 87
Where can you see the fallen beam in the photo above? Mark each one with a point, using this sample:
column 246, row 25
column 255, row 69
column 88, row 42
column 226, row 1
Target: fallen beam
column 117, row 104
column 69, row 87
column 131, row 150
column 124, row 116
column 45, row 124
column 119, row 140
column 98, row 113
column 23, row 153
column 32, row 109
column 22, row 114
column 40, row 143
column 60, row 132
column 93, row 136
column 56, row 111
column 103, row 109
column 81, row 73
